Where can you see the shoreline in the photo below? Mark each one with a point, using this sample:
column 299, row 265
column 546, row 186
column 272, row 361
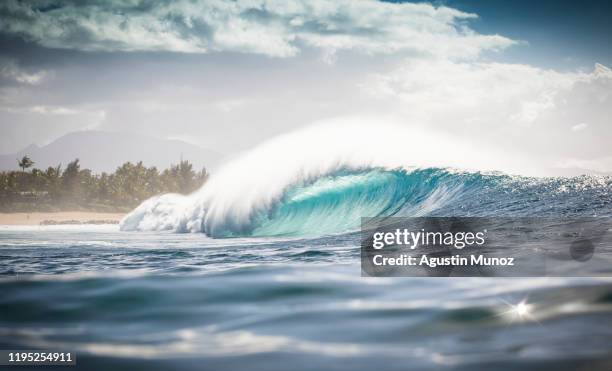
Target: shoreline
column 60, row 218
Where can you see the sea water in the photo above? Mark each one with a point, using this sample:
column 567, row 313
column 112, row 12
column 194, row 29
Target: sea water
column 168, row 301
column 252, row 281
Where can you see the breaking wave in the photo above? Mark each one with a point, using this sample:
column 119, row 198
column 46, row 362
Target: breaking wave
column 310, row 184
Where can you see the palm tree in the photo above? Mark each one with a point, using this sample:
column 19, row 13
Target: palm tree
column 25, row 163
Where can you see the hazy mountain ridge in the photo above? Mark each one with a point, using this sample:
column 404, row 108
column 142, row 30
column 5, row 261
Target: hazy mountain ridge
column 105, row 151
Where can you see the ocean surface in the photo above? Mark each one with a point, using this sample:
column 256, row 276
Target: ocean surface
column 279, row 287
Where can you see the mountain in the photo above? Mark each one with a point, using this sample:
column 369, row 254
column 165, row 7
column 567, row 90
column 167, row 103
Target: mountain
column 104, row 151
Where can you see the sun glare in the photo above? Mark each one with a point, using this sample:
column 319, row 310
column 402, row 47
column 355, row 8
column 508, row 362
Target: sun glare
column 522, row 309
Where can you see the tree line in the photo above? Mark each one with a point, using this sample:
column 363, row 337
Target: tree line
column 76, row 188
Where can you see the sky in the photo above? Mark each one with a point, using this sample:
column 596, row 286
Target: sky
column 529, row 78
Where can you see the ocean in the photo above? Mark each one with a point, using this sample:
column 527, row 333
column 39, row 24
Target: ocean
column 189, row 284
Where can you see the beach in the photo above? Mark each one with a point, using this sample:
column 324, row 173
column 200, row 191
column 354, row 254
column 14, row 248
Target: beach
column 64, row 217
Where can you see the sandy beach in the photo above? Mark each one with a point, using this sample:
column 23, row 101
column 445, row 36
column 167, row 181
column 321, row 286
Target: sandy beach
column 66, row 217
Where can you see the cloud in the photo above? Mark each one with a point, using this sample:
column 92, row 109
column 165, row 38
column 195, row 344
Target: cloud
column 46, row 110
column 41, row 110
column 523, row 109
column 10, row 70
column 430, row 86
column 579, row 127
column 276, row 28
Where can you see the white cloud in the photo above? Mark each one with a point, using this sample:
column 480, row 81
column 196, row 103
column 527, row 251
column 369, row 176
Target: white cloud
column 9, row 69
column 521, row 108
column 41, row 110
column 276, row 28
column 48, row 110
column 579, row 127
column 429, row 86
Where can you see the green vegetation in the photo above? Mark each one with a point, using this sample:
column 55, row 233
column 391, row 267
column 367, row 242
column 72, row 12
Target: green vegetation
column 25, row 163
column 74, row 188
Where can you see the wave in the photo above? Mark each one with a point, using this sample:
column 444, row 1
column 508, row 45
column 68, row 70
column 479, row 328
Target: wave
column 311, row 184
column 335, row 202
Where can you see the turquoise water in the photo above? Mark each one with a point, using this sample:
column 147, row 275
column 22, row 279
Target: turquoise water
column 335, row 202
column 284, row 296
